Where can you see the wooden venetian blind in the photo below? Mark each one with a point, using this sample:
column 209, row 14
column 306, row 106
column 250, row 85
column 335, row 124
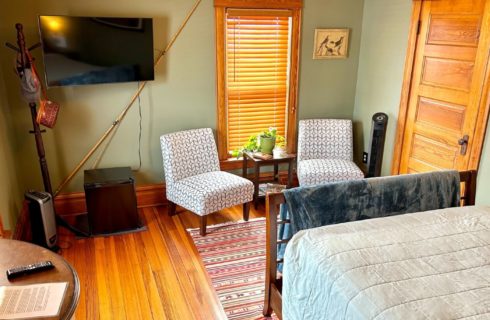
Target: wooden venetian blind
column 257, row 68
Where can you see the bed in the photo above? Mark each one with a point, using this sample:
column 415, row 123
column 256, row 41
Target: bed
column 429, row 265
column 359, row 270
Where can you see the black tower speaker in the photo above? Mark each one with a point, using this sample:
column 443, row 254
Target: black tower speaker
column 376, row 148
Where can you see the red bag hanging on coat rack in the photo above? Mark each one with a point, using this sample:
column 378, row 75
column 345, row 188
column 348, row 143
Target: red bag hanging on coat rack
column 48, row 110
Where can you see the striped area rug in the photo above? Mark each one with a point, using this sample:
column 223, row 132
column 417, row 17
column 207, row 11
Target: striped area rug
column 234, row 257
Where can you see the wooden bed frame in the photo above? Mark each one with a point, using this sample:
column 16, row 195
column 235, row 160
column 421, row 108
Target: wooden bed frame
column 273, row 283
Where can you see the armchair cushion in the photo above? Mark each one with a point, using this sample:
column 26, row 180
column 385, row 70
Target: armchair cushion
column 188, row 153
column 325, row 139
column 209, row 192
column 319, row 171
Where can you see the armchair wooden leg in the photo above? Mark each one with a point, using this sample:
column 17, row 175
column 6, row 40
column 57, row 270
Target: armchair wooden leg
column 203, row 225
column 246, row 210
column 172, row 208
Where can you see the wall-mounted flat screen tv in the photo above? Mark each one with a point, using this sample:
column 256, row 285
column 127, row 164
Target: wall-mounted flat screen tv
column 89, row 50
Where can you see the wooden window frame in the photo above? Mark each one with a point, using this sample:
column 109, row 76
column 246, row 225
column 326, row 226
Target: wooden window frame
column 295, row 6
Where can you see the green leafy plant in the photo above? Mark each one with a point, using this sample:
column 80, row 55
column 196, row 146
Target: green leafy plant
column 236, row 153
column 280, row 141
column 252, row 144
column 271, row 133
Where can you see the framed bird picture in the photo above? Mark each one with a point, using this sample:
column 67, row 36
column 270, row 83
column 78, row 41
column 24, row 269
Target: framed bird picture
column 331, row 43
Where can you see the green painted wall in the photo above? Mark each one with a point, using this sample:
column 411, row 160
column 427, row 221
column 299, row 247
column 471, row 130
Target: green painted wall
column 181, row 97
column 327, row 87
column 10, row 193
column 381, row 65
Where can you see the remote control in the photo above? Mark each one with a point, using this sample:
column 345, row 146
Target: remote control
column 31, row 268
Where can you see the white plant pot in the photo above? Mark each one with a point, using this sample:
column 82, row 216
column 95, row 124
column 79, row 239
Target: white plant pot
column 278, row 152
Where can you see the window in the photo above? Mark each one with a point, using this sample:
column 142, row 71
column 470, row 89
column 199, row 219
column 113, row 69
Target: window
column 257, row 69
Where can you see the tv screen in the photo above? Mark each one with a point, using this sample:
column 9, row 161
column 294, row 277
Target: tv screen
column 89, row 50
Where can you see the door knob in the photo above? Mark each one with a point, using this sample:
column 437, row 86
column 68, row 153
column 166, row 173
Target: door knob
column 463, row 142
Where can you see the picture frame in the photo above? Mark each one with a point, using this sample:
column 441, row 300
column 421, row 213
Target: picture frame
column 331, row 43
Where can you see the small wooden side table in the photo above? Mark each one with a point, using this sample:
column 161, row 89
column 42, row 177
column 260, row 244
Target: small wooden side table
column 247, row 156
column 15, row 253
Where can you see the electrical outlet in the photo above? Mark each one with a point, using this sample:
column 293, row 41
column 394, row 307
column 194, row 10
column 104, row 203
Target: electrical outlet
column 364, row 157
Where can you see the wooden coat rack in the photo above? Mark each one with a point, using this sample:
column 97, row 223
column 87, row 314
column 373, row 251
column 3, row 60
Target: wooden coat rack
column 25, row 63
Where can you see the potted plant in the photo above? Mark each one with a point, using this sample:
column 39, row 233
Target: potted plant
column 267, row 140
column 279, row 150
column 263, row 142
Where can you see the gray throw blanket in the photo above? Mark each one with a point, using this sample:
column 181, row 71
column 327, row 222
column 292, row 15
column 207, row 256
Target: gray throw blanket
column 352, row 200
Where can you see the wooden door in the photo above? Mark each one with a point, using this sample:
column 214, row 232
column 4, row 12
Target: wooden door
column 446, row 87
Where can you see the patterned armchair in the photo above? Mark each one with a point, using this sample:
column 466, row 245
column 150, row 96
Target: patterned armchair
column 325, row 152
column 193, row 177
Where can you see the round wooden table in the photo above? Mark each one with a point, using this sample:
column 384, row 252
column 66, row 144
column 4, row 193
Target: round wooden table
column 15, row 253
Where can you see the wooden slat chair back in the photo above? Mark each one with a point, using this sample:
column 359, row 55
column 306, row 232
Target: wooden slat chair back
column 468, row 187
column 273, row 282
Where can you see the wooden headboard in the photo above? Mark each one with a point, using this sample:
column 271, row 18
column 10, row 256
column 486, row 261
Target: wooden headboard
column 273, row 282
column 468, row 187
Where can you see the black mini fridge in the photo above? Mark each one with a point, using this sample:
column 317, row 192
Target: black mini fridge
column 111, row 201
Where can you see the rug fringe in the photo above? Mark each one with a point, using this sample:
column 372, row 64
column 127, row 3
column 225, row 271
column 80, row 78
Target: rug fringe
column 225, row 224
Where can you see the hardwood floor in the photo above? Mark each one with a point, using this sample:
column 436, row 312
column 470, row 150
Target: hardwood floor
column 154, row 274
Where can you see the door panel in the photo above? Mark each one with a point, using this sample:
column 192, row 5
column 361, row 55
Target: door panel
column 446, row 85
column 417, row 166
column 434, row 153
column 443, row 115
column 445, row 72
column 458, row 30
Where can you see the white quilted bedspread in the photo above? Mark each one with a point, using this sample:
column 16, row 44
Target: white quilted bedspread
column 426, row 265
